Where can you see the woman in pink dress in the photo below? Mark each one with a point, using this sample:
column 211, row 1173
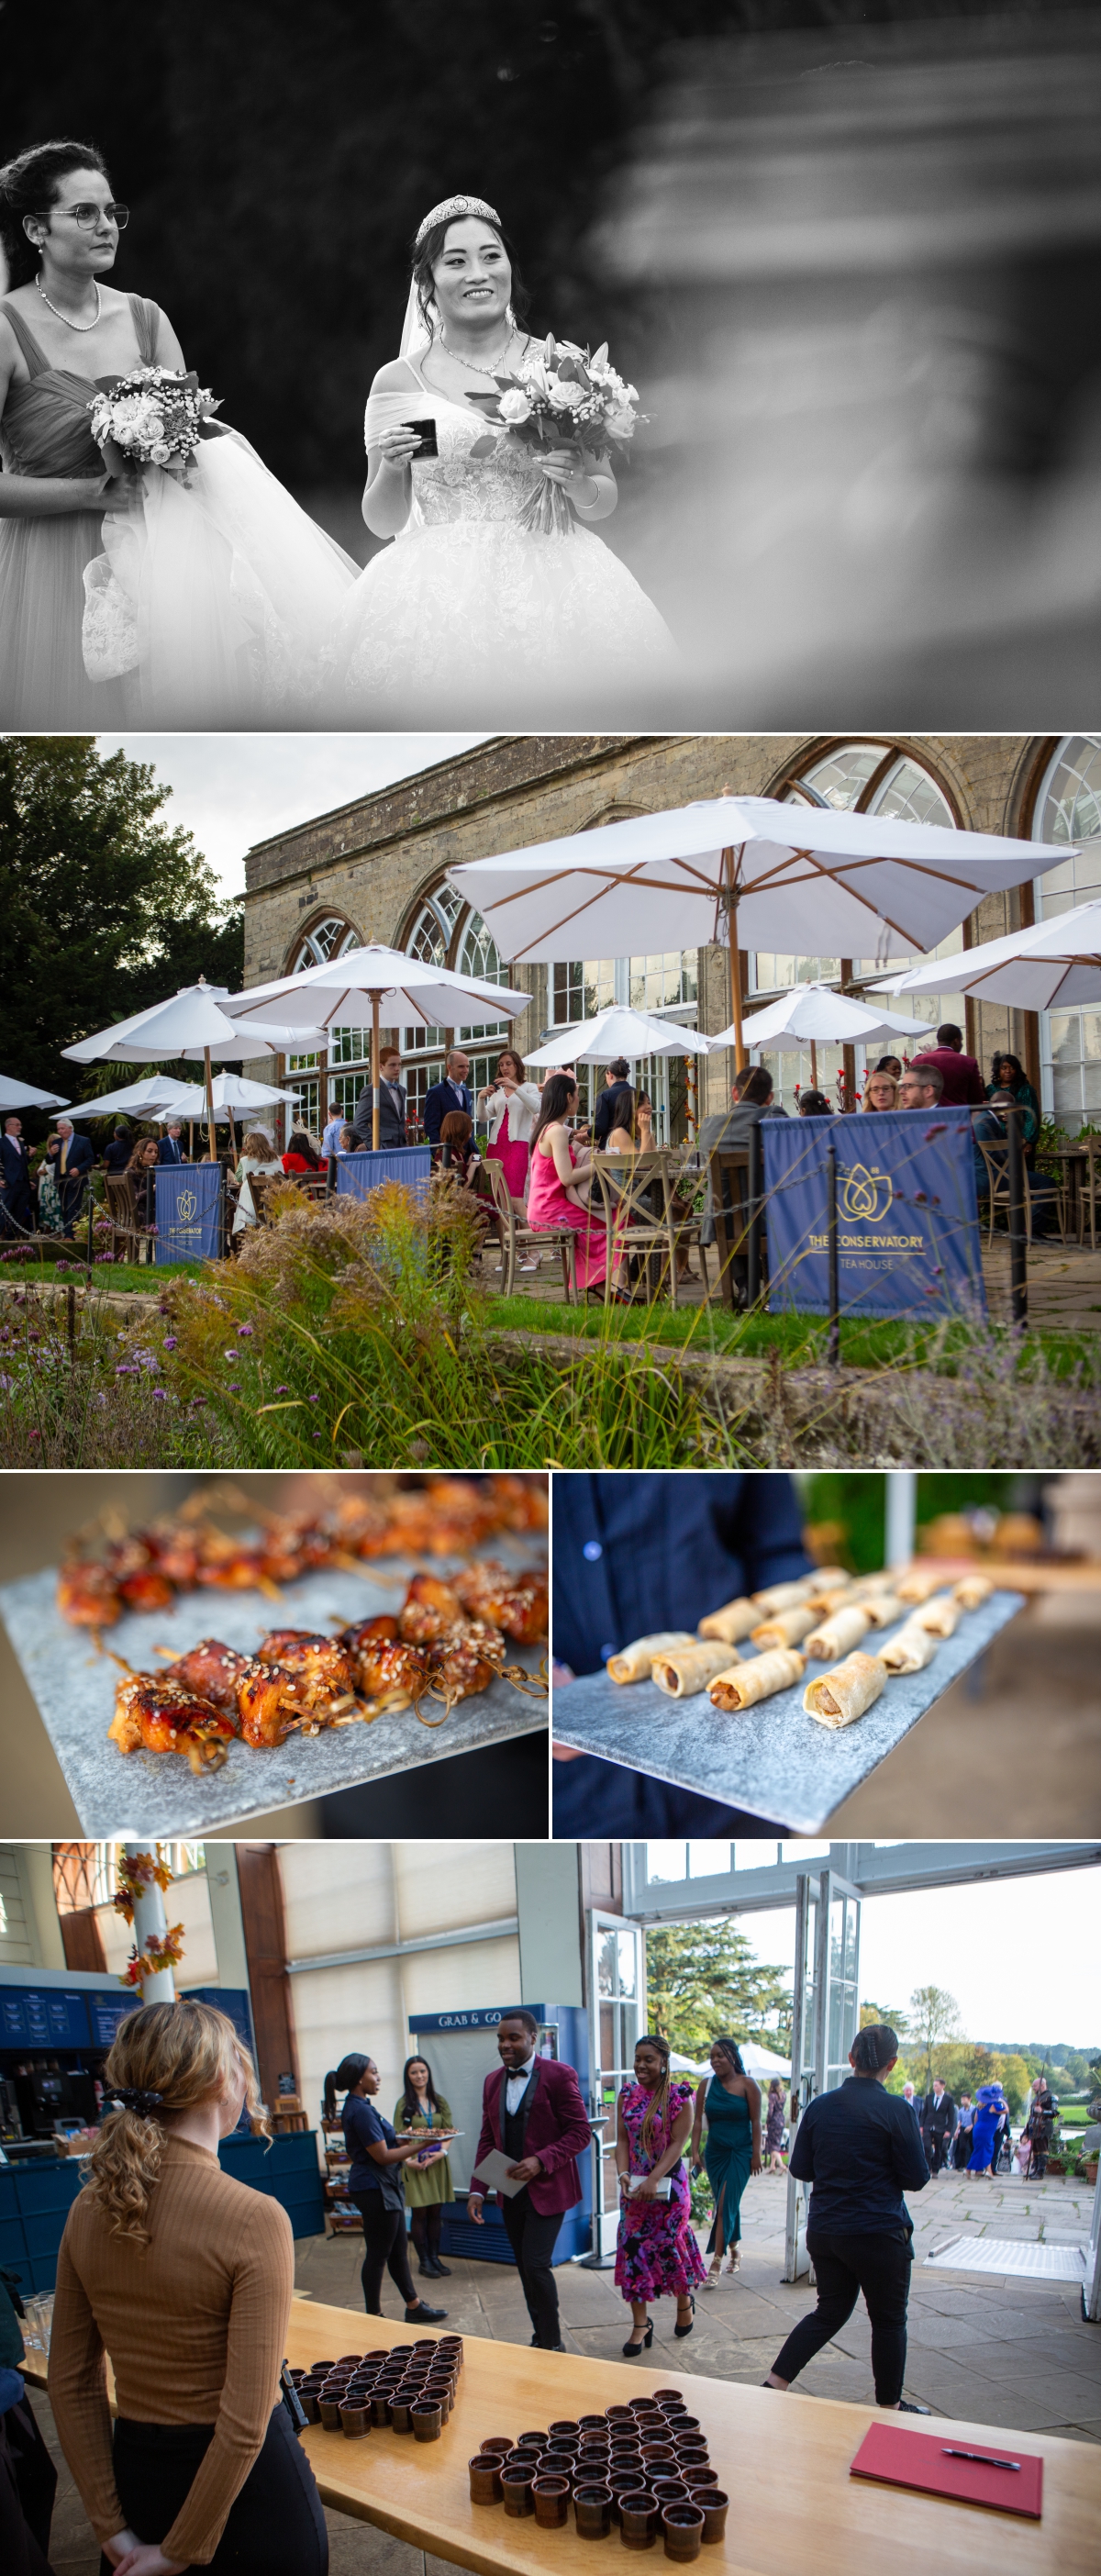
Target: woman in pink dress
column 561, row 1179
column 511, row 1106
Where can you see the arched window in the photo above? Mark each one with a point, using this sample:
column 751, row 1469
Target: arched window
column 1068, row 809
column 447, row 932
column 331, row 937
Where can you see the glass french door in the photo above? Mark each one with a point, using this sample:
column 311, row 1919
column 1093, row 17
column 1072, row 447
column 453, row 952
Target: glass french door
column 617, row 2015
column 825, row 2017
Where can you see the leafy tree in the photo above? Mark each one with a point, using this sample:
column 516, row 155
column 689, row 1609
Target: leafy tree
column 935, row 2015
column 106, row 906
column 896, row 2021
column 703, row 1980
column 1014, row 2077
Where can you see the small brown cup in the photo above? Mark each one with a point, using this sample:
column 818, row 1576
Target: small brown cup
column 380, row 2405
column 426, row 2420
column 485, row 2479
column 330, row 2413
column 399, row 2412
column 670, row 2490
column 354, row 2420
column 557, row 2464
column 618, row 2415
column 683, row 2528
column 516, row 2487
column 714, row 2506
column 379, row 2352
column 639, row 2519
column 590, row 2423
column 657, row 2450
column 551, row 2498
column 564, row 2432
column 308, row 2400
column 668, row 2397
column 501, row 2443
column 321, row 2369
column 541, row 2440
column 690, row 2424
column 348, row 2360
column 593, row 2512
column 700, row 2477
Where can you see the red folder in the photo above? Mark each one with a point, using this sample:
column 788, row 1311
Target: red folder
column 925, row 2461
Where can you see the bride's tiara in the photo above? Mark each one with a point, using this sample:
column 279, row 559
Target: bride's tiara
column 457, row 206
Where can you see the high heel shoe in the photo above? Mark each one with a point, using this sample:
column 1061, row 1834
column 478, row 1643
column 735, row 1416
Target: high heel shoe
column 679, row 2330
column 632, row 2349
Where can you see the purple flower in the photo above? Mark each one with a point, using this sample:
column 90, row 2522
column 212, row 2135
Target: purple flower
column 234, row 1387
column 160, row 1394
column 282, row 1390
column 230, row 1355
column 313, row 1399
column 170, row 1341
column 126, row 1368
column 246, row 1328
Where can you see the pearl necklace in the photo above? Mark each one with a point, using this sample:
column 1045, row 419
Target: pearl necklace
column 469, row 363
column 63, row 317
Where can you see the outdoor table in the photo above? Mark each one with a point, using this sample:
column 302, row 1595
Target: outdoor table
column 1079, row 1160
column 783, row 2461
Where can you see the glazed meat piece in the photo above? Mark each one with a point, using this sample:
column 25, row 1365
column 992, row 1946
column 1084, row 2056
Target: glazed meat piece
column 135, row 1576
column 224, row 1565
column 465, row 1660
column 269, row 1704
column 430, row 1607
column 296, row 1544
column 86, row 1596
column 388, row 1670
column 515, row 1603
column 163, row 1715
column 321, row 1667
column 174, row 1550
column 212, row 1670
column 519, row 1505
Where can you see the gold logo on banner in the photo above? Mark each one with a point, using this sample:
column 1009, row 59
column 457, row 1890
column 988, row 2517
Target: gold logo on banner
column 187, row 1204
column 866, row 1195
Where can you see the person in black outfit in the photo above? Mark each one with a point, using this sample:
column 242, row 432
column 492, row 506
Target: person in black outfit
column 615, row 1106
column 938, row 2120
column 642, row 1552
column 15, row 1180
column 376, row 2185
column 860, row 2148
column 28, row 2478
column 117, row 1154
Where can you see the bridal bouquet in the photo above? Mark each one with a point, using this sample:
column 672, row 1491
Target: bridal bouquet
column 154, row 417
column 560, row 397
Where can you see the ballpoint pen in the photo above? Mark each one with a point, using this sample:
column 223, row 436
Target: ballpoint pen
column 984, row 2458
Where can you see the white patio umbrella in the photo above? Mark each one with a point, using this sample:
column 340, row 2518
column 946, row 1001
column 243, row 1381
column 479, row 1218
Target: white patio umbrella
column 747, row 871
column 191, row 1023
column 1056, row 964
column 813, row 1015
column 145, row 1099
column 620, row 1032
column 21, row 1095
column 230, row 1095
column 348, row 992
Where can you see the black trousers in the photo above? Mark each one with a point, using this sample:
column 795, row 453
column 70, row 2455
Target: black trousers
column 846, row 2265
column 275, row 2526
column 533, row 2239
column 426, row 2228
column 935, row 2143
column 28, row 2483
column 384, row 2250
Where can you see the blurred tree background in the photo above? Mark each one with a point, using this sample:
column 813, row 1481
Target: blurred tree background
column 704, row 1981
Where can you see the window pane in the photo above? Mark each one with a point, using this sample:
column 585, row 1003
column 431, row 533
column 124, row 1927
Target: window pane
column 708, row 1860
column 666, row 1863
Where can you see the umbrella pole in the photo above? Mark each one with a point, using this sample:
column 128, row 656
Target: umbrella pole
column 376, row 1072
column 813, row 1065
column 212, row 1156
column 735, row 961
column 191, row 1140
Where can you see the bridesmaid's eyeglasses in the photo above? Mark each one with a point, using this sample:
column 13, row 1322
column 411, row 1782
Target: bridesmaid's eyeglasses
column 87, row 215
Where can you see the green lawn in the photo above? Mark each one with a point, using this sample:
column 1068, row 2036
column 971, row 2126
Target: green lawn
column 144, row 1275
column 800, row 1339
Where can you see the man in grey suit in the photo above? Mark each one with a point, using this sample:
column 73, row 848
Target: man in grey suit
column 391, row 1107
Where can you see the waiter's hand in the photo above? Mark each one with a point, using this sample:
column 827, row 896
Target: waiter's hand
column 474, row 2206
column 525, row 2172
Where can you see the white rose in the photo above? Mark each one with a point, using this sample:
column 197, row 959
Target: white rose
column 160, row 453
column 620, row 424
column 566, row 397
column 515, row 408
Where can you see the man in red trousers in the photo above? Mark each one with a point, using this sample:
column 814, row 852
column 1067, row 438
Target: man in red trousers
column 533, row 2113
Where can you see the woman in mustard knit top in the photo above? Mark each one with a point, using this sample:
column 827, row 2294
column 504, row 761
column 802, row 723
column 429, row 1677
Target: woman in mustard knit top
column 184, row 2277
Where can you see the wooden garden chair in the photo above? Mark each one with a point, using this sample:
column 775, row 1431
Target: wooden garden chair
column 637, row 1194
column 996, row 1159
column 517, row 1236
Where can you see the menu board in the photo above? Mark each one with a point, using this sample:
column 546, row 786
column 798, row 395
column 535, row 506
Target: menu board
column 42, row 2017
column 105, row 2011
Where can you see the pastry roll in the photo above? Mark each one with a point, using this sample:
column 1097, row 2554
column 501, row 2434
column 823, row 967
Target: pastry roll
column 784, row 1627
column 919, row 1583
column 783, row 1596
column 758, row 1679
column 734, row 1621
column 864, row 1585
column 683, row 1670
column 883, row 1609
column 972, row 1590
column 824, row 1603
column 941, row 1617
column 839, row 1697
column 836, row 1635
column 910, row 1651
column 636, row 1662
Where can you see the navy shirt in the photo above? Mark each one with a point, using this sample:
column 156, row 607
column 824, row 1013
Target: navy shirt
column 363, row 2124
column 861, row 2148
column 638, row 1553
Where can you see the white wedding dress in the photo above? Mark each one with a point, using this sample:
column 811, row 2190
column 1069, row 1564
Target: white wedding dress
column 467, row 615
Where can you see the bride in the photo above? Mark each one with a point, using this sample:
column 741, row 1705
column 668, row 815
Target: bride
column 467, row 601
column 132, row 598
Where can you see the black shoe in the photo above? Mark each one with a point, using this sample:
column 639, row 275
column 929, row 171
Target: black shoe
column 422, row 2315
column 633, row 2349
column 440, row 2271
column 909, row 2406
column 681, row 2331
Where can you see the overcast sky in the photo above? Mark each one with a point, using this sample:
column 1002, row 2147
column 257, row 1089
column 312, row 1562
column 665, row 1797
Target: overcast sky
column 1019, row 1955
column 231, row 789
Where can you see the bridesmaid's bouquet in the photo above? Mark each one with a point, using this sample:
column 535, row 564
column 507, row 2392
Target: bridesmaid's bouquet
column 155, row 416
column 561, row 396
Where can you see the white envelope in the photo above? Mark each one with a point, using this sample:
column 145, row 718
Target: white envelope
column 494, row 2172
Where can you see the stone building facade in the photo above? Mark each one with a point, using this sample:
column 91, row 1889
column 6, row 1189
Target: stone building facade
column 376, row 869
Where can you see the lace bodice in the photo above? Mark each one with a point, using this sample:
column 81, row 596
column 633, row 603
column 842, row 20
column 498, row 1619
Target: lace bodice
column 454, row 485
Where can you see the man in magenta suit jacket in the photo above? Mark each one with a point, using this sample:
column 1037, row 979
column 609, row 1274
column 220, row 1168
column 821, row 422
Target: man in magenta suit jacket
column 533, row 2112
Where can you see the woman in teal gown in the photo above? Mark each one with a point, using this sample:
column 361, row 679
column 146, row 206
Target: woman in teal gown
column 730, row 2104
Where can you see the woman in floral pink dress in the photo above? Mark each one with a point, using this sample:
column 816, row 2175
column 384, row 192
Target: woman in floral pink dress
column 656, row 2250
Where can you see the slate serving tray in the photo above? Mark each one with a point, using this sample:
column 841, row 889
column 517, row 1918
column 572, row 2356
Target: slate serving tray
column 772, row 1760
column 157, row 1793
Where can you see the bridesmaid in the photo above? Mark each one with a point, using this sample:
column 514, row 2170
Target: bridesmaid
column 731, row 2106
column 655, row 2248
column 62, row 333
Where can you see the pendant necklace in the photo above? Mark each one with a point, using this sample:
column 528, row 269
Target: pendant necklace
column 470, row 363
column 63, row 317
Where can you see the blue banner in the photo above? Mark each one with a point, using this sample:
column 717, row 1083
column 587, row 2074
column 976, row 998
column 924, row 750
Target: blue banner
column 356, row 1174
column 907, row 1213
column 189, row 1212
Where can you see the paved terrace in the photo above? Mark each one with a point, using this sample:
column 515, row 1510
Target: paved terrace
column 1000, row 2351
column 1064, row 1284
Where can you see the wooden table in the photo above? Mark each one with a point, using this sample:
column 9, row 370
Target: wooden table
column 1074, row 1157
column 784, row 2461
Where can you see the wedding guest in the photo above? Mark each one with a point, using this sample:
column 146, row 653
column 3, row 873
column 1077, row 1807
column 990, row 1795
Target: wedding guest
column 301, row 1154
column 961, row 1080
column 920, row 1087
column 376, row 2184
column 814, row 1104
column 510, row 1105
column 428, row 2187
column 451, row 1093
column 392, row 1106
column 171, row 1149
column 656, row 2251
column 141, row 1172
column 938, row 2120
column 751, row 1099
column 333, row 1130
column 258, row 1156
column 183, row 2279
column 1007, row 1073
column 50, row 1219
column 74, row 1163
column 561, row 1179
column 880, row 1090
column 774, row 2129
column 28, row 2478
column 961, row 2143
column 729, row 2104
column 116, row 1154
column 15, row 1170
column 891, row 1064
column 609, row 1108
column 347, row 1142
column 533, row 2113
